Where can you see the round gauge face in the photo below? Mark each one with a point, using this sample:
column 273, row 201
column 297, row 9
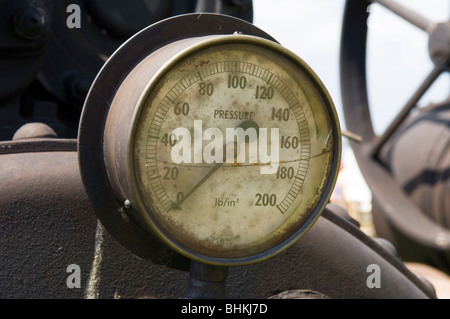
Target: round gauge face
column 235, row 149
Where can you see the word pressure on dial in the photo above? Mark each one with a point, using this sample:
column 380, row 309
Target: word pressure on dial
column 232, row 148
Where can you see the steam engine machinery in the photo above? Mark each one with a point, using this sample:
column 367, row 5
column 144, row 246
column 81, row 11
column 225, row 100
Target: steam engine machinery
column 173, row 149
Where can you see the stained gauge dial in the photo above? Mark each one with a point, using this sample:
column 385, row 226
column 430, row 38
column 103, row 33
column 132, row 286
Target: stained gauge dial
column 233, row 148
column 224, row 147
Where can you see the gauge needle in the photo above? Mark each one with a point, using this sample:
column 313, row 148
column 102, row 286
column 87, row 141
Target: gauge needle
column 244, row 125
column 197, row 185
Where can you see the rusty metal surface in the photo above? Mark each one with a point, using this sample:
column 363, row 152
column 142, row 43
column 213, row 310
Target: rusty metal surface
column 40, row 236
column 47, row 224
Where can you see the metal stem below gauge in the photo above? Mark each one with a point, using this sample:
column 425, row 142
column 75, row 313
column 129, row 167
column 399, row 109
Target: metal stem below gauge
column 207, row 281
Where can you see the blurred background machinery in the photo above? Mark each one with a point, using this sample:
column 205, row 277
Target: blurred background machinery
column 407, row 165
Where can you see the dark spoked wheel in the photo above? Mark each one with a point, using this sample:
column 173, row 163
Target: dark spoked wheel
column 407, row 166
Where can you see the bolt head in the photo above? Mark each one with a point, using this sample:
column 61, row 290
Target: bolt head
column 30, row 23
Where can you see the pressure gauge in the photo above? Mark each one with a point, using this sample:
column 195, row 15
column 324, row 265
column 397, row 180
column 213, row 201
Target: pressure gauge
column 225, row 147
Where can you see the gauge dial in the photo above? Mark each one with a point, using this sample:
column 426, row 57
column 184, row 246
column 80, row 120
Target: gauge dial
column 233, row 150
